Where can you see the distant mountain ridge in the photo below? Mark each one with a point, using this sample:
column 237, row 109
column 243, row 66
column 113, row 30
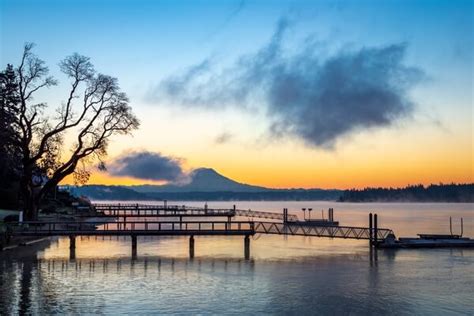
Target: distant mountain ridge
column 202, row 180
column 206, row 185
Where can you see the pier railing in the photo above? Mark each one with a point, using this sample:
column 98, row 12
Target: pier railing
column 265, row 215
column 135, row 228
column 173, row 212
column 144, row 210
column 194, row 228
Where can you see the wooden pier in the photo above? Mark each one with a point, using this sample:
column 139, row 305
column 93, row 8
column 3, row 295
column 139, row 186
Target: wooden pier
column 165, row 210
column 149, row 224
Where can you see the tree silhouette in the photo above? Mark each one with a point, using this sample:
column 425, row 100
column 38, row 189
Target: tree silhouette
column 9, row 153
column 94, row 111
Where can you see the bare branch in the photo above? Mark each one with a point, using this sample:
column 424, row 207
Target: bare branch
column 101, row 113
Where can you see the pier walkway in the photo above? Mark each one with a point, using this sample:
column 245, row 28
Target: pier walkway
column 149, row 224
column 167, row 228
column 165, row 210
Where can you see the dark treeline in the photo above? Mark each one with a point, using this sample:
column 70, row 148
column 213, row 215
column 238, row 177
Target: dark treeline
column 277, row 195
column 413, row 193
column 102, row 192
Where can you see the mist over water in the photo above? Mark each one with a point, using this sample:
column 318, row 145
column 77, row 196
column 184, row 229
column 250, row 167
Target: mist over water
column 285, row 275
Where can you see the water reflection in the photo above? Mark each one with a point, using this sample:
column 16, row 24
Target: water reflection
column 285, row 275
column 392, row 281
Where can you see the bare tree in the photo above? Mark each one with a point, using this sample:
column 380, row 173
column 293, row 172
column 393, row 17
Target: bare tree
column 94, row 111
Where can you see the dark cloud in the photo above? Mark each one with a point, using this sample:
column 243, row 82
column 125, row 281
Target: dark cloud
column 316, row 99
column 177, row 85
column 149, row 166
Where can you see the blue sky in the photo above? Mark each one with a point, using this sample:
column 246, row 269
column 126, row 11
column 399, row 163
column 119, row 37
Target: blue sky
column 144, row 42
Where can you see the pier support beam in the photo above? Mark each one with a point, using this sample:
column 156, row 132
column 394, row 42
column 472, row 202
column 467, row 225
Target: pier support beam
column 72, row 247
column 72, row 242
column 247, row 247
column 370, row 231
column 191, row 246
column 375, row 230
column 134, row 246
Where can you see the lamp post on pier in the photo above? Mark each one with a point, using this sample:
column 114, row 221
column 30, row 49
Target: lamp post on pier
column 304, row 212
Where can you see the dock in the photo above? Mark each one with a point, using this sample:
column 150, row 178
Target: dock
column 134, row 220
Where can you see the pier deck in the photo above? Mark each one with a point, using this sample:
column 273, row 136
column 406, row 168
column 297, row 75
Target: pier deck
column 174, row 228
column 127, row 226
column 144, row 210
column 137, row 228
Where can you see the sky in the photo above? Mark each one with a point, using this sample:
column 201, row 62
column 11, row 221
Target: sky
column 327, row 94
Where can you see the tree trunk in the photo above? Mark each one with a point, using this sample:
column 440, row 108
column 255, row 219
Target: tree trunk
column 30, row 205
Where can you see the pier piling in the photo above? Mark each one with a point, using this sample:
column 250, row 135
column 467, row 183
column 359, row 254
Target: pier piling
column 375, row 230
column 191, row 246
column 72, row 247
column 285, row 215
column 370, row 230
column 72, row 242
column 247, row 247
column 134, row 246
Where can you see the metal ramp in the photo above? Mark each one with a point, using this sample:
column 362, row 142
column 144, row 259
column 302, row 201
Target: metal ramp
column 346, row 232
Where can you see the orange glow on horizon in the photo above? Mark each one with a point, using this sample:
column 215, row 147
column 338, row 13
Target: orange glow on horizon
column 342, row 179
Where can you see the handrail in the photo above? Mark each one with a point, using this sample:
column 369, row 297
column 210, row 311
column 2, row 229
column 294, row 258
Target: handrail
column 319, row 231
column 131, row 209
column 149, row 226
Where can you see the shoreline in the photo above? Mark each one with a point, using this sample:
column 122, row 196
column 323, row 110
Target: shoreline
column 23, row 243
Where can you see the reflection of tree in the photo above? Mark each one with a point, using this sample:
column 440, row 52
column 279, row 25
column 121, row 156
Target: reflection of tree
column 24, row 304
column 8, row 287
column 61, row 286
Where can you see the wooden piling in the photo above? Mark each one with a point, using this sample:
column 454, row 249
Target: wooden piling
column 285, row 215
column 371, row 243
column 134, row 246
column 247, row 247
column 191, row 246
column 72, row 242
column 72, row 247
column 375, row 230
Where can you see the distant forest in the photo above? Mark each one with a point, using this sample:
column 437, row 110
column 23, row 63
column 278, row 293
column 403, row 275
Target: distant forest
column 101, row 192
column 414, row 193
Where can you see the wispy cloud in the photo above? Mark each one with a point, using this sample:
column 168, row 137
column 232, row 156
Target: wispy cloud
column 318, row 100
column 228, row 18
column 223, row 138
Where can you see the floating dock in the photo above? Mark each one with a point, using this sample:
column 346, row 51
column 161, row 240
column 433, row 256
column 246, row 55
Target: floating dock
column 429, row 240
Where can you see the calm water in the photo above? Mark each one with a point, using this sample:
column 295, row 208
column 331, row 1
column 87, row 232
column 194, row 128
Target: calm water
column 292, row 275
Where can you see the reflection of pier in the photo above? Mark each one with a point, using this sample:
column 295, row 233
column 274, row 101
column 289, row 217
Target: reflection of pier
column 149, row 224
